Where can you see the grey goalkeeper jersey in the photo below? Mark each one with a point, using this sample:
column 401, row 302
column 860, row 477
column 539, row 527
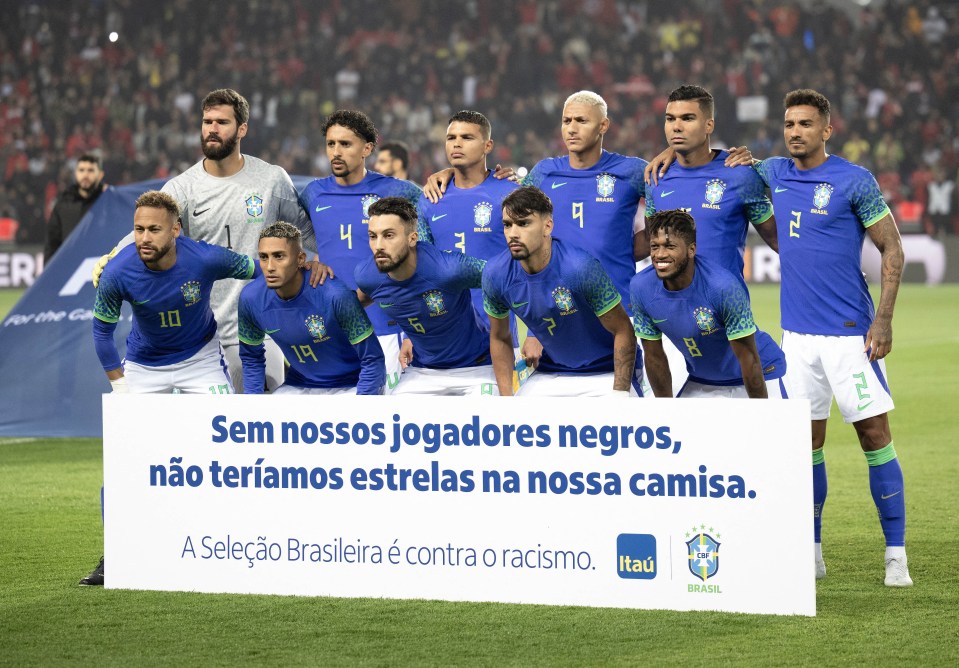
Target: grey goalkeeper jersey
column 230, row 212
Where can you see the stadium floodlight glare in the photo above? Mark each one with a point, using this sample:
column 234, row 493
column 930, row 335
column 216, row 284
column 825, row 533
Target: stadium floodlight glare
column 114, row 36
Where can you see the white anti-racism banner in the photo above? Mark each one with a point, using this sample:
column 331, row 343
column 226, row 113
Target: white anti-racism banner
column 671, row 504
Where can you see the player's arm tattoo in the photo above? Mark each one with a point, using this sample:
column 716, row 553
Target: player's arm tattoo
column 885, row 235
column 617, row 323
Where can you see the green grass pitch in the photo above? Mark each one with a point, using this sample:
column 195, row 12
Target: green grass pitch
column 51, row 535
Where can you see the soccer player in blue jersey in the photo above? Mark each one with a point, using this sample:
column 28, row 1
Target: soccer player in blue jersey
column 567, row 299
column 723, row 200
column 167, row 278
column 339, row 204
column 427, row 291
column 324, row 333
column 469, row 218
column 834, row 339
column 704, row 310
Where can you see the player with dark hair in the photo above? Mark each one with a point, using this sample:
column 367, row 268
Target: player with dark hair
column 704, row 310
column 427, row 291
column 833, row 336
column 324, row 333
column 226, row 199
column 74, row 202
column 567, row 299
column 393, row 159
column 339, row 206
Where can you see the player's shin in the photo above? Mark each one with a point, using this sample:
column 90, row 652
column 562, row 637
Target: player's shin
column 888, row 493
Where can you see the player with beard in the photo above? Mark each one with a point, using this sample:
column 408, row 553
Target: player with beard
column 339, row 206
column 427, row 291
column 226, row 199
column 704, row 310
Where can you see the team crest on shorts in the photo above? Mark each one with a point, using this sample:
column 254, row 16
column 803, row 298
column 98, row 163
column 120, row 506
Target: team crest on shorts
column 482, row 214
column 703, row 553
column 605, row 184
column 705, row 320
column 254, row 205
column 714, row 191
column 563, row 299
column 191, row 292
column 434, row 302
column 316, row 326
column 367, row 202
column 821, row 195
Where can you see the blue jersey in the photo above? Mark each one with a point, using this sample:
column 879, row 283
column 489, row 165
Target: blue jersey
column 561, row 305
column 172, row 318
column 323, row 332
column 701, row 320
column 340, row 220
column 594, row 208
column 822, row 216
column 722, row 200
column 433, row 307
column 469, row 221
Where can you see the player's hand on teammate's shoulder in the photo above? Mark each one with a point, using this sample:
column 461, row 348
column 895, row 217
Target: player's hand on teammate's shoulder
column 436, row 184
column 658, row 165
column 500, row 172
column 739, row 156
column 319, row 272
column 101, row 265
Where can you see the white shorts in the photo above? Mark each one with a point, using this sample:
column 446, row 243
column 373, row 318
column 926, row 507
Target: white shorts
column 466, row 381
column 677, row 367
column 820, row 367
column 204, row 373
column 391, row 351
column 324, row 391
column 544, row 384
column 275, row 365
column 695, row 390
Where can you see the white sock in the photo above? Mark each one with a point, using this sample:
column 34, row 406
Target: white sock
column 819, row 551
column 895, row 551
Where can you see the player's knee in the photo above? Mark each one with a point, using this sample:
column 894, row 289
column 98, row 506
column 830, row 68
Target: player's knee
column 873, row 434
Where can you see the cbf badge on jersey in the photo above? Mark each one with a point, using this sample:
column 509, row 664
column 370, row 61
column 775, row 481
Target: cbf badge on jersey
column 820, row 198
column 705, row 320
column 191, row 292
column 367, row 201
column 482, row 215
column 254, row 208
column 316, row 326
column 434, row 302
column 714, row 193
column 563, row 299
column 605, row 184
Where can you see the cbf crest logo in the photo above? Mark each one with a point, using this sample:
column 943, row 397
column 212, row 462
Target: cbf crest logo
column 367, row 202
column 482, row 214
column 705, row 320
column 714, row 191
column 254, row 205
column 703, row 554
column 821, row 195
column 434, row 302
column 316, row 326
column 191, row 292
column 563, row 299
column 605, row 184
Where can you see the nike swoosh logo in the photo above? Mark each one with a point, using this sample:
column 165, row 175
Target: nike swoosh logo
column 889, row 496
column 656, row 322
column 323, row 208
column 520, row 305
column 667, row 194
column 435, row 218
column 558, row 185
column 140, row 303
column 780, row 190
column 197, row 213
column 270, row 331
column 863, row 406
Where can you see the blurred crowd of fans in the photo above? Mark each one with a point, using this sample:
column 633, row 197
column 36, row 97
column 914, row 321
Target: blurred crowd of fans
column 66, row 88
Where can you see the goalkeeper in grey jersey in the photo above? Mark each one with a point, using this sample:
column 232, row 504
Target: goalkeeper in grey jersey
column 226, row 199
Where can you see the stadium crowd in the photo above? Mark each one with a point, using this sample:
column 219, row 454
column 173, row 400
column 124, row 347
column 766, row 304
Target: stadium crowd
column 66, row 88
